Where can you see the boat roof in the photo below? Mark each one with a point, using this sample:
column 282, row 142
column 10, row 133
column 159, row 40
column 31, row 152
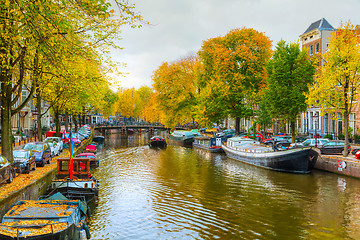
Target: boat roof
column 86, row 154
column 241, row 139
column 42, row 209
column 185, row 133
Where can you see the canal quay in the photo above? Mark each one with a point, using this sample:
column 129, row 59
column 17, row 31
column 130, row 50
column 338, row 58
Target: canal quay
column 183, row 193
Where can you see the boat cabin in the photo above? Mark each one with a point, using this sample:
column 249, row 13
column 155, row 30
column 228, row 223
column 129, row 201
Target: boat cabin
column 209, row 141
column 239, row 141
column 81, row 168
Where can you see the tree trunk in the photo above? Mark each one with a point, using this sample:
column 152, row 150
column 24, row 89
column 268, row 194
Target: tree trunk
column 346, row 133
column 6, row 129
column 66, row 121
column 57, row 122
column 80, row 120
column 237, row 126
column 39, row 124
column 292, row 129
column 75, row 124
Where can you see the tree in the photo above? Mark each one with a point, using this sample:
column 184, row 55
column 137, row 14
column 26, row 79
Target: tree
column 290, row 71
column 337, row 84
column 128, row 103
column 151, row 111
column 232, row 73
column 30, row 31
column 175, row 88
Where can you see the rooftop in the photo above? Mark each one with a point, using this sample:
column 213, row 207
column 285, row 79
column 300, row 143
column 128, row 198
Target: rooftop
column 321, row 24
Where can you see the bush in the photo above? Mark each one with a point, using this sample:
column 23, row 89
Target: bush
column 356, row 138
column 341, row 136
column 328, row 136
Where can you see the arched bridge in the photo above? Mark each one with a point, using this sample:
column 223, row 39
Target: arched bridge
column 100, row 128
column 124, row 128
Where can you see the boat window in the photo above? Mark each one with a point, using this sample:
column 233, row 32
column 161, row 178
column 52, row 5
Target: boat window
column 63, row 166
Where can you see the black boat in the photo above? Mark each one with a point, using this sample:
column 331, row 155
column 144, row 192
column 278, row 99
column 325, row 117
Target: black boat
column 49, row 219
column 99, row 139
column 157, row 142
column 81, row 185
column 296, row 160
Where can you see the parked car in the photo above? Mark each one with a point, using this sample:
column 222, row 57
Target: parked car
column 334, row 147
column 56, row 140
column 6, row 170
column 55, row 151
column 24, row 160
column 311, row 142
column 278, row 139
column 41, row 151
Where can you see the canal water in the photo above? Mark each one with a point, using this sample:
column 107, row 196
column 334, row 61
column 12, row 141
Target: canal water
column 182, row 193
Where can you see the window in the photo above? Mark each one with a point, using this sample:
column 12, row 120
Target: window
column 23, row 96
column 317, row 47
column 311, row 49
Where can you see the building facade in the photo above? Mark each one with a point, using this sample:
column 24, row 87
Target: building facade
column 316, row 39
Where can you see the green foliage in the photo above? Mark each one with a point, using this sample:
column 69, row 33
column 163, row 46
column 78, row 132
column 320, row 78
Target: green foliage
column 341, row 136
column 290, row 71
column 328, row 136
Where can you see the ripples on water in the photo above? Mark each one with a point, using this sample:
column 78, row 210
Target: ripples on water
column 181, row 193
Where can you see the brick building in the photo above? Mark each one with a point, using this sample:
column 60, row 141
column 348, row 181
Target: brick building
column 316, row 39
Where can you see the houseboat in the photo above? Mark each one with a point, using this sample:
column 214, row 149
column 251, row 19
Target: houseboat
column 212, row 144
column 45, row 220
column 94, row 162
column 81, row 185
column 183, row 138
column 296, row 160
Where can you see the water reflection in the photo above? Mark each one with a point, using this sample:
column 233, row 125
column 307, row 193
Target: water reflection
column 181, row 193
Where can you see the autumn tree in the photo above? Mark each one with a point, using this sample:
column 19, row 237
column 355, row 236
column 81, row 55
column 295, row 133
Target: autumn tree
column 337, row 84
column 232, row 72
column 151, row 111
column 290, row 71
column 29, row 32
column 128, row 104
column 175, row 88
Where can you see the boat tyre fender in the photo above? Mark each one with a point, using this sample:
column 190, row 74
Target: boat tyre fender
column 88, row 212
column 87, row 231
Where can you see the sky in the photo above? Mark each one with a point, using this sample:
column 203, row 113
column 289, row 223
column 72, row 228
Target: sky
column 178, row 28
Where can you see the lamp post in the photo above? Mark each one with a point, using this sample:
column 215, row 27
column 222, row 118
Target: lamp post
column 315, row 116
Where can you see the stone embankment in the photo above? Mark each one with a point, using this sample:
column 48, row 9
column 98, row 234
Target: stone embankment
column 349, row 166
column 31, row 186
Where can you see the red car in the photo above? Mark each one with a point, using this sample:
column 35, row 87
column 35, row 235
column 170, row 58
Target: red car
column 258, row 136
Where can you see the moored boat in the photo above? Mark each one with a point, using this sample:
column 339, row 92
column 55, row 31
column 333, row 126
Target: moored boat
column 296, row 160
column 212, row 144
column 81, row 185
column 99, row 139
column 90, row 148
column 157, row 142
column 94, row 162
column 45, row 220
column 183, row 138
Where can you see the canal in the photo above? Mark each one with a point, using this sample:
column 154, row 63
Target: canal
column 182, row 193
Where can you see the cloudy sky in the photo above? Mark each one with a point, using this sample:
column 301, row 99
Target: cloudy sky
column 178, row 27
